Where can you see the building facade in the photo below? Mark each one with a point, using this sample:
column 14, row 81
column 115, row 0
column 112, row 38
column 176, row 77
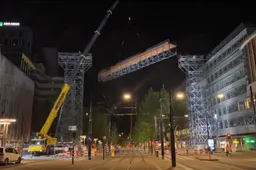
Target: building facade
column 46, row 87
column 227, row 76
column 15, row 40
column 16, row 99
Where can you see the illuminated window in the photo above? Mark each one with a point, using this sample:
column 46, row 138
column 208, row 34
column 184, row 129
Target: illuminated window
column 247, row 103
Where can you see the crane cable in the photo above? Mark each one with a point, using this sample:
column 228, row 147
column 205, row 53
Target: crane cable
column 135, row 30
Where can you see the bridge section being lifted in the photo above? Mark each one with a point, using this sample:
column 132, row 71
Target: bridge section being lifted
column 152, row 55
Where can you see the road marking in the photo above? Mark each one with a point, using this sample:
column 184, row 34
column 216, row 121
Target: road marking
column 184, row 167
column 157, row 167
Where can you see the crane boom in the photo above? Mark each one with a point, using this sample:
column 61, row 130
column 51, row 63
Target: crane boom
column 66, row 87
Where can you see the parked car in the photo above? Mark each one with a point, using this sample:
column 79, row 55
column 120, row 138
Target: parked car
column 9, row 155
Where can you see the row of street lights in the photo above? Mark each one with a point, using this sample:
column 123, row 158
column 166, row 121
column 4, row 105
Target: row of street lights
column 178, row 96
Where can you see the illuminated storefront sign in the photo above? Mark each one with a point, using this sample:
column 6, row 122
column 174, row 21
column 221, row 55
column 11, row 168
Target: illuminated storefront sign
column 15, row 24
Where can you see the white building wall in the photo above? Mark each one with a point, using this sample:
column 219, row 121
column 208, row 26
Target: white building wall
column 226, row 75
column 16, row 99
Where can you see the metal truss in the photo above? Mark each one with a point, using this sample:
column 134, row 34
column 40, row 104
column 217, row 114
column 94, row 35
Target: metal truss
column 71, row 112
column 137, row 65
column 201, row 121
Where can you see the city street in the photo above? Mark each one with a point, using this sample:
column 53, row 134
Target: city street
column 135, row 160
column 128, row 160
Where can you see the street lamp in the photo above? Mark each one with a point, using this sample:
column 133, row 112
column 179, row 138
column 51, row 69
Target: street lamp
column 185, row 115
column 180, row 96
column 127, row 96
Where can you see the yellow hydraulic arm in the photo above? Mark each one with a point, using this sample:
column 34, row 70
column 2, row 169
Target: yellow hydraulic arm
column 66, row 87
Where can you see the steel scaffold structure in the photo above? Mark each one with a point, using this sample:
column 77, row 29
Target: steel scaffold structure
column 71, row 112
column 152, row 55
column 201, row 121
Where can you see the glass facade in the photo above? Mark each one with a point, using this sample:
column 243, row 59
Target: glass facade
column 227, row 76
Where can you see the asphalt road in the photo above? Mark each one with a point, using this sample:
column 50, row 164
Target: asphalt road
column 135, row 160
column 128, row 160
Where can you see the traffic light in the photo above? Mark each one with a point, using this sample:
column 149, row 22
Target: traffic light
column 228, row 136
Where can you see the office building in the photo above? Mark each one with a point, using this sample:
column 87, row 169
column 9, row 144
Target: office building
column 47, row 87
column 16, row 99
column 219, row 97
column 227, row 79
column 15, row 39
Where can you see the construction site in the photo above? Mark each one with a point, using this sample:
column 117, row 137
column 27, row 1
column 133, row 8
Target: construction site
column 206, row 112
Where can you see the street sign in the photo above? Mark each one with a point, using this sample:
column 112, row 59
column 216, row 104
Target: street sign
column 72, row 128
column 235, row 141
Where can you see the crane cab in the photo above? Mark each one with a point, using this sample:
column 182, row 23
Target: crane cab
column 37, row 145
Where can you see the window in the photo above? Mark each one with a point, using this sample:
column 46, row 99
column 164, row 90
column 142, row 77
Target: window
column 224, row 110
column 247, row 103
column 241, row 105
column 14, row 151
column 240, row 121
column 219, row 111
column 15, row 42
column 8, row 150
column 11, row 34
column 221, row 125
column 231, row 123
column 226, row 124
column 6, row 41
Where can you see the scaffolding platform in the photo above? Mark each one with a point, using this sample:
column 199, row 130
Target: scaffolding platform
column 201, row 121
column 155, row 54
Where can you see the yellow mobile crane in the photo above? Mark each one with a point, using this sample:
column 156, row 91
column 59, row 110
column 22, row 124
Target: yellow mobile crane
column 42, row 140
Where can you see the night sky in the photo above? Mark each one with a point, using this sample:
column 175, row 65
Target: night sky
column 196, row 27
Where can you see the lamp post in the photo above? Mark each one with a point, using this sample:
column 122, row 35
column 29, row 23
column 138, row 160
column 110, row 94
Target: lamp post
column 179, row 96
column 128, row 97
column 161, row 128
column 4, row 123
column 172, row 139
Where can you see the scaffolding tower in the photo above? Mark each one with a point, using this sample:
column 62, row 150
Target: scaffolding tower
column 201, row 120
column 71, row 113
